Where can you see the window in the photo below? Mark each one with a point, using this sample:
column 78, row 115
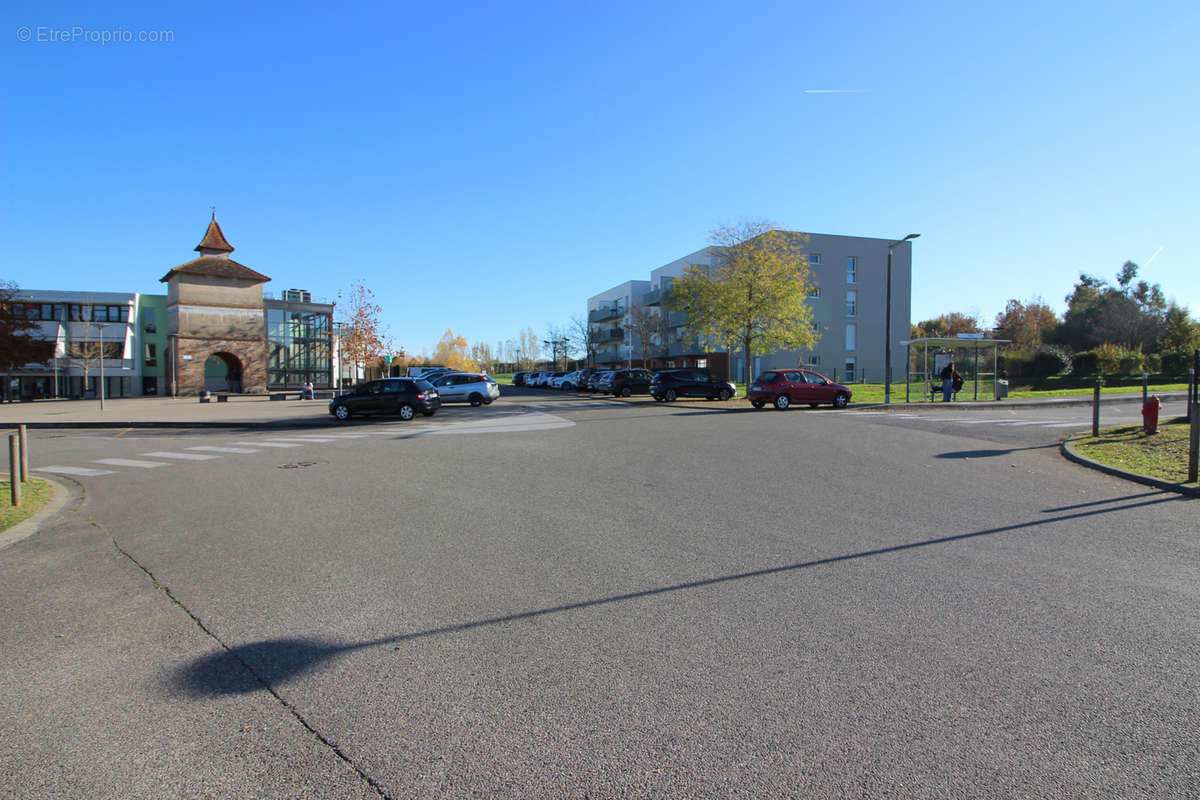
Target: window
column 100, row 313
column 814, row 258
column 702, row 363
column 814, row 291
column 151, row 355
column 814, row 361
column 851, row 269
column 849, row 370
column 148, row 323
column 816, row 326
column 851, row 303
column 851, row 337
column 670, row 365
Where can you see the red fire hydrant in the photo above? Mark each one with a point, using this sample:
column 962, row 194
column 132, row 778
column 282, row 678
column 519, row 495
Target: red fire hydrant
column 1150, row 414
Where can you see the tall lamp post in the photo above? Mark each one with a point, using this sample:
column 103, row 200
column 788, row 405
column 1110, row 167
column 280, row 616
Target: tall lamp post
column 100, row 344
column 887, row 324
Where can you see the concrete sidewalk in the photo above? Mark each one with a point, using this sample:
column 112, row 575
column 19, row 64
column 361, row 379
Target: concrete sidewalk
column 260, row 411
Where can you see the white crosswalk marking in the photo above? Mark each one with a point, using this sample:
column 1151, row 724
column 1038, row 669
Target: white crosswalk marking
column 213, row 449
column 180, row 456
column 74, row 470
column 267, row 444
column 129, row 462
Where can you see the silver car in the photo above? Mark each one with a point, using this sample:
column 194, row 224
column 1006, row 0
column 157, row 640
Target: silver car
column 467, row 387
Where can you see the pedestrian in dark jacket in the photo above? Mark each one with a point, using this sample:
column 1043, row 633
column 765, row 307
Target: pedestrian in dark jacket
column 949, row 376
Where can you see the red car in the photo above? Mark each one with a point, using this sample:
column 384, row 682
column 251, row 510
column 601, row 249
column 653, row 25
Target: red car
column 782, row 387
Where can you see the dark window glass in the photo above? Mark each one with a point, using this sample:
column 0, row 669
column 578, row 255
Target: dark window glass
column 391, row 387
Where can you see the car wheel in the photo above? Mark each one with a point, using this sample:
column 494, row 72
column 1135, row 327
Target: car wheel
column 757, row 405
column 626, row 392
column 476, row 399
column 406, row 411
column 723, row 395
column 670, row 395
column 567, row 387
column 341, row 412
column 840, row 400
column 782, row 402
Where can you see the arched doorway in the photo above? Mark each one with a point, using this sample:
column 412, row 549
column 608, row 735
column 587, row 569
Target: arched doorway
column 223, row 373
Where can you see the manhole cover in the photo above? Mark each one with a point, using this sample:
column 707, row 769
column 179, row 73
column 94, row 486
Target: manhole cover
column 297, row 465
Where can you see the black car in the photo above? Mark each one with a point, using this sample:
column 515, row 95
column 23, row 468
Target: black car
column 518, row 378
column 626, row 382
column 673, row 383
column 401, row 396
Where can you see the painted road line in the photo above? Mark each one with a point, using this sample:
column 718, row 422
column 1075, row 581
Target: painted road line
column 129, row 462
column 74, row 470
column 304, row 439
column 1024, row 424
column 266, row 444
column 212, row 449
column 1080, row 424
column 180, row 456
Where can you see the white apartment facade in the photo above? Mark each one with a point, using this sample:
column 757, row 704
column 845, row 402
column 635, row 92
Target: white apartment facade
column 848, row 301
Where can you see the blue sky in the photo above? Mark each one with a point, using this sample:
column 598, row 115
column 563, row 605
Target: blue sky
column 486, row 167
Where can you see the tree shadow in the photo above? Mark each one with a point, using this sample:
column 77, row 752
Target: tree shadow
column 270, row 662
column 993, row 453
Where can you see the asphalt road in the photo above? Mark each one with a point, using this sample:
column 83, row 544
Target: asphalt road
column 604, row 600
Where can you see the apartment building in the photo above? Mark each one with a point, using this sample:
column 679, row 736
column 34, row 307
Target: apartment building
column 848, row 301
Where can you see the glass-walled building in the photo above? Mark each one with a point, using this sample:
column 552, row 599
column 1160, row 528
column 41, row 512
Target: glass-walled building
column 299, row 333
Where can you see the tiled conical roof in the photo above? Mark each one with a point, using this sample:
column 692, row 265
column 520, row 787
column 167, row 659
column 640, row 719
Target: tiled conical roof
column 214, row 239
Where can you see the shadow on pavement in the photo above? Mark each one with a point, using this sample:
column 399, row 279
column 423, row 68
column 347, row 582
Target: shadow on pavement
column 270, row 662
column 994, row 453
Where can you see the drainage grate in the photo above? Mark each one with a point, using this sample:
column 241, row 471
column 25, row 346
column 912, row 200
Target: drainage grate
column 297, row 465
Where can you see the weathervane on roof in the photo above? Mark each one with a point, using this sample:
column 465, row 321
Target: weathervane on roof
column 214, row 210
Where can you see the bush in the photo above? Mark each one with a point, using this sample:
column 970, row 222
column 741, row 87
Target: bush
column 1176, row 362
column 1087, row 363
column 1050, row 360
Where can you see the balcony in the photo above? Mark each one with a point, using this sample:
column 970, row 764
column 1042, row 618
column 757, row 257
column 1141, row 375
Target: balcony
column 653, row 297
column 610, row 335
column 677, row 318
column 608, row 312
column 610, row 356
column 682, row 349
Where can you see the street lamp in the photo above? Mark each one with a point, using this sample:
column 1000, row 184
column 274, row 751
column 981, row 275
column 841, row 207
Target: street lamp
column 887, row 324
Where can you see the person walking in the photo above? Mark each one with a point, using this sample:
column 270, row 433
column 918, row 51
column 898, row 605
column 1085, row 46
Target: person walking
column 947, row 375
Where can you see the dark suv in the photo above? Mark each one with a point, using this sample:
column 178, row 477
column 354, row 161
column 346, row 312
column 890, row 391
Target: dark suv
column 401, row 396
column 626, row 382
column 673, row 383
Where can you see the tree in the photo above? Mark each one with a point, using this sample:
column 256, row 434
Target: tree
column 528, row 348
column 583, row 338
column 452, row 351
column 362, row 336
column 1180, row 332
column 82, row 354
column 19, row 342
column 1129, row 314
column 1028, row 324
column 644, row 324
column 947, row 326
column 755, row 293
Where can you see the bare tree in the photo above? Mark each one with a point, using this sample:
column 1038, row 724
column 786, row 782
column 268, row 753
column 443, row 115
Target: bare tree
column 644, row 324
column 362, row 334
column 583, row 339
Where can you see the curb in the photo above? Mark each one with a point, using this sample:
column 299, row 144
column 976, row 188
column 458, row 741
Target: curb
column 62, row 495
column 1069, row 453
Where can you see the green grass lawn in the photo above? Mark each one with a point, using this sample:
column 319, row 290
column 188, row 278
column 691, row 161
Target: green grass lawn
column 1163, row 455
column 35, row 493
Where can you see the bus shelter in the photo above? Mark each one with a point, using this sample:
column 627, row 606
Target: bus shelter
column 975, row 358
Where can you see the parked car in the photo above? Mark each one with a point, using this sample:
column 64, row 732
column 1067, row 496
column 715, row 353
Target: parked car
column 674, row 383
column 467, row 387
column 403, row 397
column 422, row 372
column 783, row 387
column 626, row 382
column 518, row 378
column 580, row 382
column 595, row 378
column 563, row 380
